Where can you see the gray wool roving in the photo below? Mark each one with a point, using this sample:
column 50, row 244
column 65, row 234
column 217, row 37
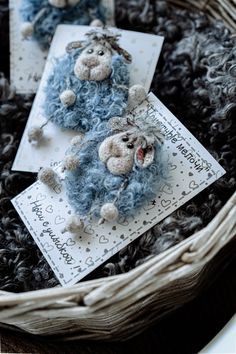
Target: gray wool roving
column 195, row 78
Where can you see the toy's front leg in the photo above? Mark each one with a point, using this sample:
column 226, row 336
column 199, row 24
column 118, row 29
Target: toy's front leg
column 137, row 95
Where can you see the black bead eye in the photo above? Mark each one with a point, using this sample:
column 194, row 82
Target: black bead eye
column 101, row 52
column 90, row 51
column 125, row 139
column 130, row 146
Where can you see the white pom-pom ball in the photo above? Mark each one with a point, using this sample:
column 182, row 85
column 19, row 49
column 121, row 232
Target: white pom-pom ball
column 109, row 212
column 68, row 97
column 77, row 140
column 137, row 94
column 47, row 176
column 96, row 23
column 73, row 2
column 71, row 163
column 74, row 225
column 57, row 3
column 27, row 29
column 35, row 134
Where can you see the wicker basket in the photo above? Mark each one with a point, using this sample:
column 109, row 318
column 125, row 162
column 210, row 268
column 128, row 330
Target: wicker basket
column 119, row 307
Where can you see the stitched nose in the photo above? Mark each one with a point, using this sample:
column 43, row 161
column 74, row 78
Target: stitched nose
column 90, row 62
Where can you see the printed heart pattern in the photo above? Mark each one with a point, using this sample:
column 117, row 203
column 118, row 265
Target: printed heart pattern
column 193, row 185
column 165, row 203
column 70, row 242
column 103, row 239
column 89, row 262
column 59, row 220
column 167, row 189
column 49, row 209
column 40, row 197
column 47, row 247
column 89, row 230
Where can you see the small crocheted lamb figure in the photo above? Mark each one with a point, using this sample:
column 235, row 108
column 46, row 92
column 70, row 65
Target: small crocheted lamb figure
column 41, row 17
column 112, row 171
column 90, row 84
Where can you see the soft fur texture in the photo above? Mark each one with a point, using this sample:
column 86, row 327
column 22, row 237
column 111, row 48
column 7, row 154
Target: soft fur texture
column 81, row 14
column 92, row 185
column 209, row 116
column 95, row 99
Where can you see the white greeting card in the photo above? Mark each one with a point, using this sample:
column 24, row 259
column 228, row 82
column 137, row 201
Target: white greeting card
column 145, row 50
column 27, row 59
column 45, row 212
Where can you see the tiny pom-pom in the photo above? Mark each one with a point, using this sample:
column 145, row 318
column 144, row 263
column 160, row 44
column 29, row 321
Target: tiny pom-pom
column 73, row 2
column 77, row 140
column 71, row 163
column 74, row 225
column 137, row 94
column 35, row 134
column 47, row 176
column 27, row 29
column 57, row 3
column 68, row 98
column 96, row 23
column 109, row 212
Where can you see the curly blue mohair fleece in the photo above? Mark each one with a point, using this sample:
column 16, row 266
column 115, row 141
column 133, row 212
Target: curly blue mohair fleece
column 95, row 99
column 91, row 185
column 81, row 14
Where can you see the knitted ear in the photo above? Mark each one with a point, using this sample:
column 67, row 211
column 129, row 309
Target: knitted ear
column 118, row 124
column 73, row 45
column 122, row 51
column 144, row 156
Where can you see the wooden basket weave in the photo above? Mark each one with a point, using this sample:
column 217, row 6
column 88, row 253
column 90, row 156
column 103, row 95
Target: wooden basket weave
column 118, row 307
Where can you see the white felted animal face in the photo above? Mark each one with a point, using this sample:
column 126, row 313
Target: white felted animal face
column 63, row 3
column 122, row 151
column 94, row 63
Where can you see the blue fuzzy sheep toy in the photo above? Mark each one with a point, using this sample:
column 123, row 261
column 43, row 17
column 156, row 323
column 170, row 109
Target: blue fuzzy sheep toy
column 112, row 171
column 41, row 17
column 89, row 83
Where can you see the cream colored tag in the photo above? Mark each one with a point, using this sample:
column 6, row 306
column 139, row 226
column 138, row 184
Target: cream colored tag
column 45, row 211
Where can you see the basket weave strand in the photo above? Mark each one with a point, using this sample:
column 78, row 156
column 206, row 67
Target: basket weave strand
column 121, row 306
column 216, row 9
column 106, row 308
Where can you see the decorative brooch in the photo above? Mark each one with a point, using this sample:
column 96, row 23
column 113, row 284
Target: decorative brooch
column 41, row 17
column 89, row 84
column 112, row 171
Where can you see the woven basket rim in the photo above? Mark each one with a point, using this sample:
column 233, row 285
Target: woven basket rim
column 91, row 309
column 224, row 10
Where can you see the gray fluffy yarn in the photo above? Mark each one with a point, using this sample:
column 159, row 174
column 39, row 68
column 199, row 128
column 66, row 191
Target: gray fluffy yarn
column 195, row 78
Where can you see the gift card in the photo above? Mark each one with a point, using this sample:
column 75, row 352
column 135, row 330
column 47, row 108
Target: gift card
column 27, row 59
column 45, row 212
column 145, row 50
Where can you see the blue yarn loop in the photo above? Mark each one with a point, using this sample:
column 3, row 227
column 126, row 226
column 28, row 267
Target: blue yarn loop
column 45, row 26
column 91, row 185
column 95, row 100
